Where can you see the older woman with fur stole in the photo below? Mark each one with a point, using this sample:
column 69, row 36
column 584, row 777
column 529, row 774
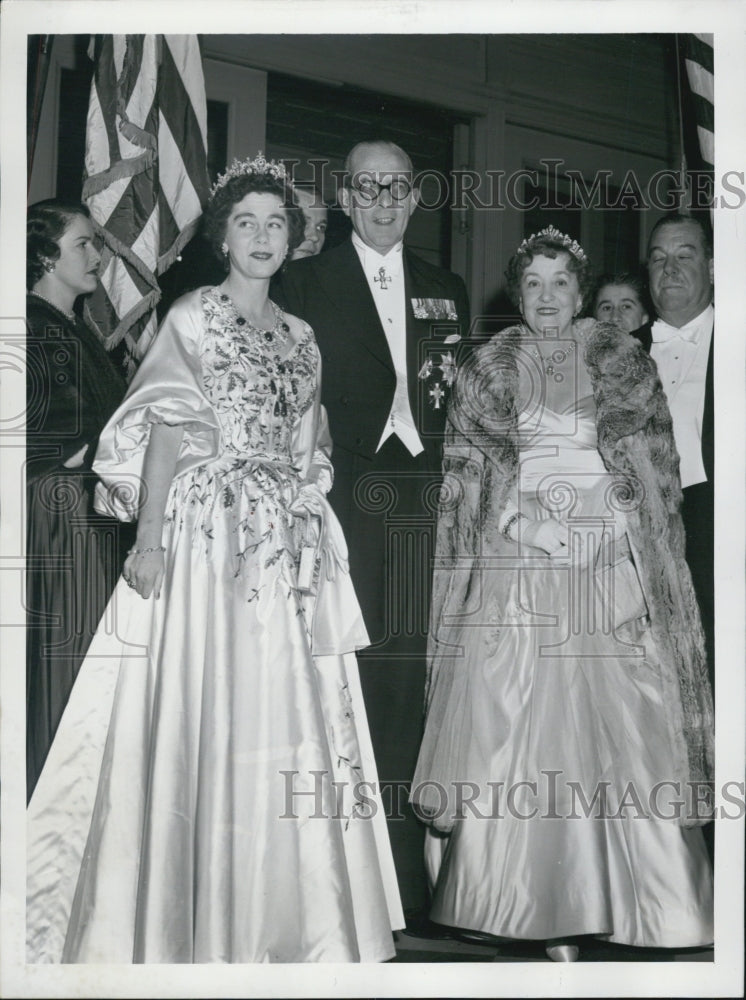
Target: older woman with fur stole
column 568, row 754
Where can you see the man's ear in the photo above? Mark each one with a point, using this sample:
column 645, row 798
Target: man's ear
column 344, row 200
column 645, row 318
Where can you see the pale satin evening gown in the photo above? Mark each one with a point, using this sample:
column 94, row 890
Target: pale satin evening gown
column 555, row 701
column 186, row 812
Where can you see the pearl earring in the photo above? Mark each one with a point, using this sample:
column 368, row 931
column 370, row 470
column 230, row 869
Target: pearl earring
column 224, row 249
column 48, row 265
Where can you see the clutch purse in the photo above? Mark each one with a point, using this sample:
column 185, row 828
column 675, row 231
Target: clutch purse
column 620, row 591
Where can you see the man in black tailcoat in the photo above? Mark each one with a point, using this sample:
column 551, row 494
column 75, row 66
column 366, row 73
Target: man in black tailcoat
column 680, row 267
column 388, row 325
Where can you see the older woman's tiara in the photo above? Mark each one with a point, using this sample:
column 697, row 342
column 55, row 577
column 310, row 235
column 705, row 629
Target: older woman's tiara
column 258, row 166
column 551, row 233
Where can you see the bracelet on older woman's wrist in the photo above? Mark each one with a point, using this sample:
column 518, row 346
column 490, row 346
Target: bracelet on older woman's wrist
column 140, row 552
column 513, row 519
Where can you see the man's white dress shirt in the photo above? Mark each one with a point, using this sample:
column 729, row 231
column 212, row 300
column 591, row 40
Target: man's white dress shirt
column 681, row 355
column 385, row 275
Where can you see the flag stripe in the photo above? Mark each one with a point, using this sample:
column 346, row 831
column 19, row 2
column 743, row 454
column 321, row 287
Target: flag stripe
column 176, row 185
column 707, row 146
column 105, row 82
column 699, row 49
column 136, row 107
column 135, row 206
column 699, row 62
column 145, row 247
column 187, row 62
column 169, row 227
column 98, row 141
column 704, row 113
column 146, row 182
column 131, row 74
column 183, row 123
column 700, row 80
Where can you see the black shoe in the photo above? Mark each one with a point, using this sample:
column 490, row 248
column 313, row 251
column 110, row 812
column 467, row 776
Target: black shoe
column 476, row 937
column 419, row 925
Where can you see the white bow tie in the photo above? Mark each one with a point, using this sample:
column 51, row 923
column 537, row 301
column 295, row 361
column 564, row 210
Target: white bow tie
column 662, row 332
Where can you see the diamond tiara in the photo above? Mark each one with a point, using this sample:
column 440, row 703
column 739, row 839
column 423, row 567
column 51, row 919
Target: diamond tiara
column 259, row 165
column 551, row 233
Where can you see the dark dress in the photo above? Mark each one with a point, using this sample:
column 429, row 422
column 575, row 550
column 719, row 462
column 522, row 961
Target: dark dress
column 73, row 555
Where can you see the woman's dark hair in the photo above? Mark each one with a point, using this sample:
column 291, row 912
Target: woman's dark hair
column 634, row 281
column 220, row 206
column 546, row 246
column 46, row 221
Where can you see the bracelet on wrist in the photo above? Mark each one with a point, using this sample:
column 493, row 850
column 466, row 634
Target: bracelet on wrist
column 507, row 527
column 140, row 552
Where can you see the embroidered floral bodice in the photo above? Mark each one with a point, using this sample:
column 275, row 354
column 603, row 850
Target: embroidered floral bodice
column 257, row 387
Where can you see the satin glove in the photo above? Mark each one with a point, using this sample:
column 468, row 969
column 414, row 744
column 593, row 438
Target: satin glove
column 551, row 536
column 309, row 500
column 563, row 542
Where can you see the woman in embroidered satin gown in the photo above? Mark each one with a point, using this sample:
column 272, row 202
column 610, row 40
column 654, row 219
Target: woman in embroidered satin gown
column 568, row 708
column 186, row 812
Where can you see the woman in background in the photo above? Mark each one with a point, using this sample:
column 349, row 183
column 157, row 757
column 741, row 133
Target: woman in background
column 315, row 215
column 569, row 716
column 620, row 299
column 72, row 390
column 216, row 744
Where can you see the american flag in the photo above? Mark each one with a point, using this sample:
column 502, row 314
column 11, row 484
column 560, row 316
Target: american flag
column 698, row 58
column 145, row 174
column 697, row 110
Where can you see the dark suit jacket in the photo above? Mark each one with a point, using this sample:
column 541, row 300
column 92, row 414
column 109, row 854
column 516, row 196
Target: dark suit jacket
column 331, row 293
column 698, row 509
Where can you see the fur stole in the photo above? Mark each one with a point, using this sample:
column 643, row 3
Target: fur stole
column 635, row 441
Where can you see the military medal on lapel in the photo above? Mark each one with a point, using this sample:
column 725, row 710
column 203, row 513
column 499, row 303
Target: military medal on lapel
column 434, row 309
column 439, row 370
column 440, row 376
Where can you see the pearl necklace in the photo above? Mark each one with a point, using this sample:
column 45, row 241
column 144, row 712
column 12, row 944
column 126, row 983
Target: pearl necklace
column 68, row 315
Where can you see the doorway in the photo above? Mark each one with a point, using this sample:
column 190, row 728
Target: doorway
column 317, row 124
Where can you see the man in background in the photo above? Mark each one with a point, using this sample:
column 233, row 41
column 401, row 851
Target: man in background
column 680, row 268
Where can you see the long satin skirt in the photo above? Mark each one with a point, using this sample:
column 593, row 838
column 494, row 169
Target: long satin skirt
column 570, row 827
column 187, row 811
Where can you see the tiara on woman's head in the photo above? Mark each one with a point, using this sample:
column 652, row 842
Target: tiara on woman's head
column 550, row 233
column 259, row 166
